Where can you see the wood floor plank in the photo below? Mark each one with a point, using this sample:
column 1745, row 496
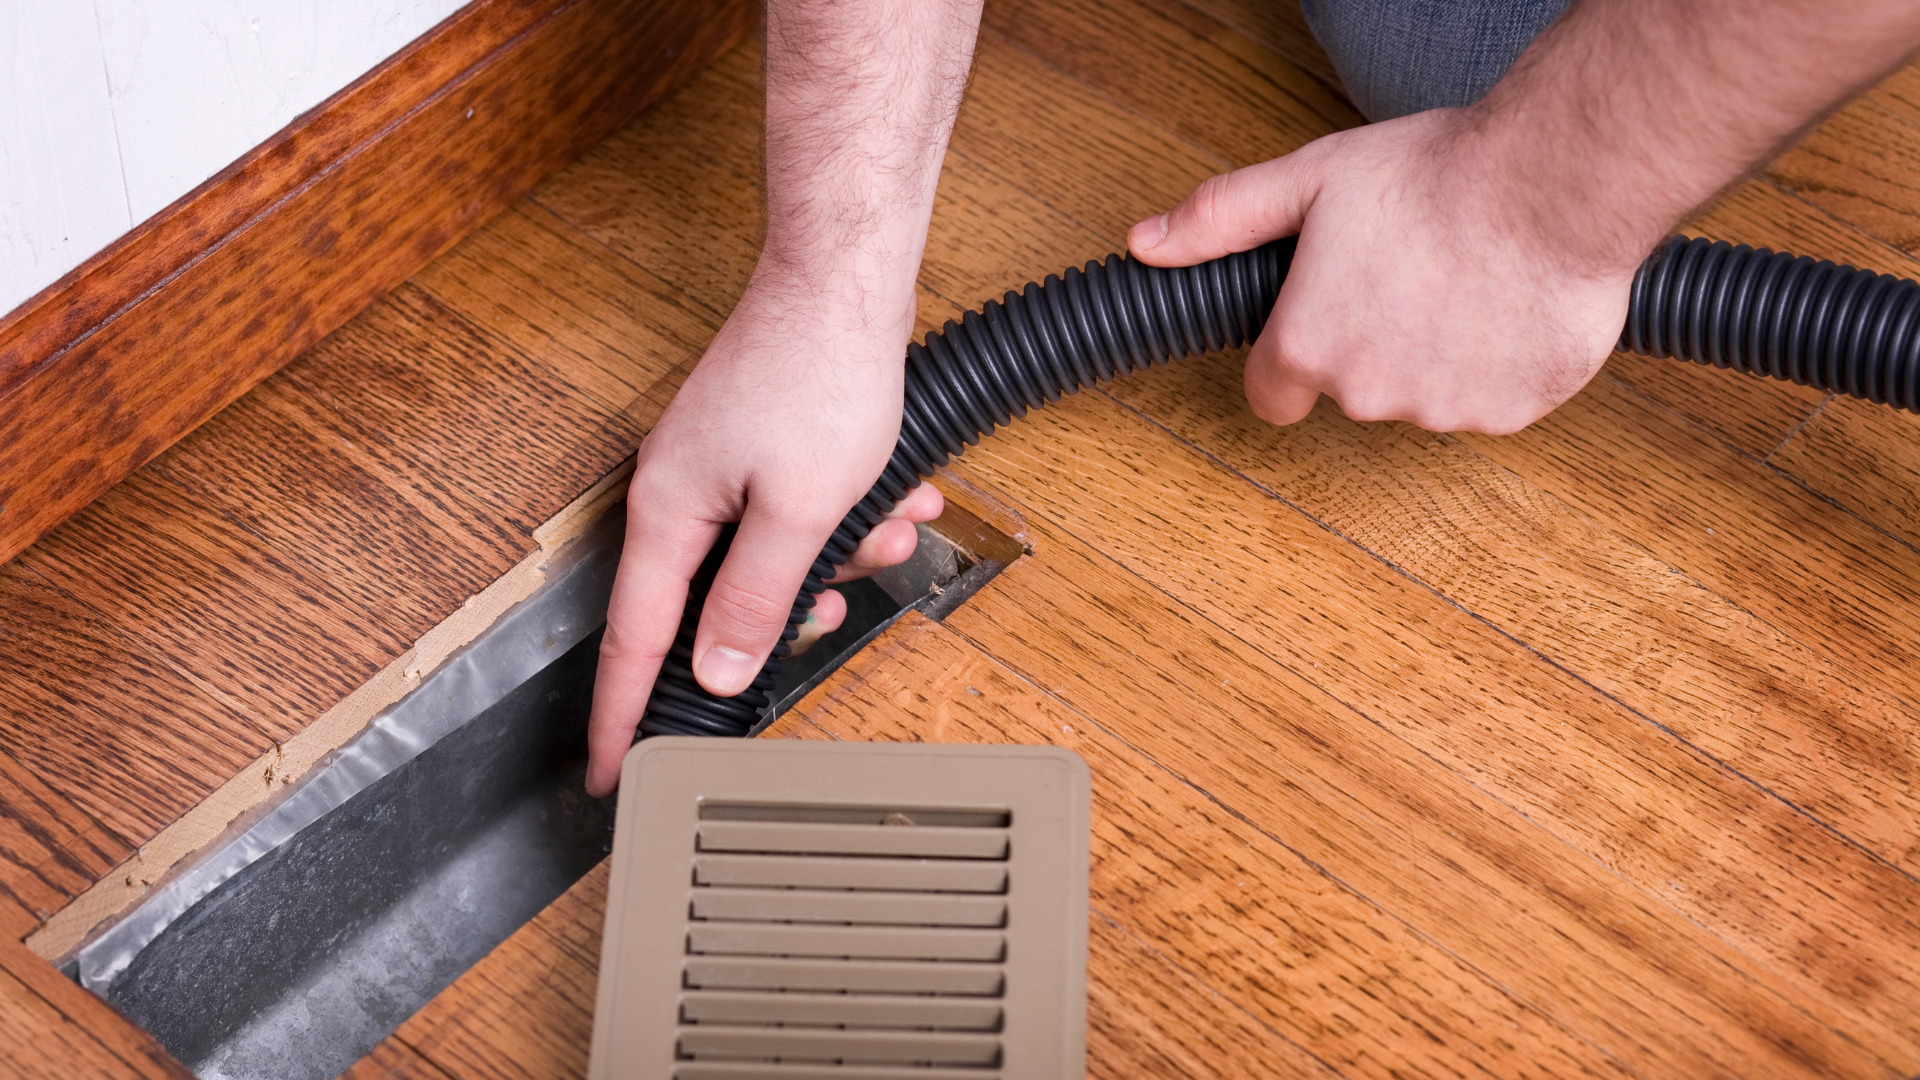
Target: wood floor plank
column 393, row 1060
column 1453, row 694
column 597, row 320
column 684, row 207
column 1148, row 1017
column 283, row 554
column 1043, row 152
column 1864, row 456
column 464, row 405
column 1899, row 93
column 50, row 851
column 1862, row 165
column 1773, row 710
column 255, row 627
column 223, row 460
column 1245, row 104
column 37, row 875
column 717, row 118
column 109, row 726
column 1786, row 716
column 1807, row 568
column 403, row 549
column 1181, row 869
column 51, row 1029
column 1278, row 28
column 63, row 677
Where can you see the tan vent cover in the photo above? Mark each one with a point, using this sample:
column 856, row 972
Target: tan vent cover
column 831, row 911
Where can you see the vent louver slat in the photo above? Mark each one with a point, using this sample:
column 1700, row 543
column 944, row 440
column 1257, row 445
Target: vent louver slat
column 741, row 1070
column 819, row 871
column 830, row 915
column 817, row 937
column 813, row 1044
column 841, row 906
column 866, row 942
column 821, row 838
column 841, row 1010
column 770, row 973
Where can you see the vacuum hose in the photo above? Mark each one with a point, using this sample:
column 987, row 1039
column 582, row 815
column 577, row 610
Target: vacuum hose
column 1836, row 328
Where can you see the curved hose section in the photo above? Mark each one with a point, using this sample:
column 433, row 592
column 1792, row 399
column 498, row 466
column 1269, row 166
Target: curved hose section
column 1017, row 353
column 1817, row 323
column 1838, row 328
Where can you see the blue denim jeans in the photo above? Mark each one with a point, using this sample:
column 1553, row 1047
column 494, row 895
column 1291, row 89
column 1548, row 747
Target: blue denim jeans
column 1405, row 56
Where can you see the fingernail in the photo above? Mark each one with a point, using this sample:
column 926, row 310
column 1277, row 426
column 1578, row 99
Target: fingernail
column 1152, row 231
column 725, row 671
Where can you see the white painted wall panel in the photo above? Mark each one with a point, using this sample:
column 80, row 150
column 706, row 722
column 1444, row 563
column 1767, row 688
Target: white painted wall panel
column 115, row 108
column 62, row 192
column 197, row 83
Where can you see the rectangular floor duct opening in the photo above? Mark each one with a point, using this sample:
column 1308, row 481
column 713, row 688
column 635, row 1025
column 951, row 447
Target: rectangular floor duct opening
column 291, row 947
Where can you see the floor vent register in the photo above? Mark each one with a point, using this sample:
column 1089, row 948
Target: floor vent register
column 831, row 911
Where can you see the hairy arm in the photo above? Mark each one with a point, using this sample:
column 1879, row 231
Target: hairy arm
column 1635, row 114
column 793, row 410
column 1467, row 269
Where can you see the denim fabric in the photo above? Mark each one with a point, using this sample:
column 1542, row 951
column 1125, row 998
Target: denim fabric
column 1406, row 56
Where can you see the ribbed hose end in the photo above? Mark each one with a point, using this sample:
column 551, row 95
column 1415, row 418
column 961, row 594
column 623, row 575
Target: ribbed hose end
column 1836, row 328
column 1020, row 352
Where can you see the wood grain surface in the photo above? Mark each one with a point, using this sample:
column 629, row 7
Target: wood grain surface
column 1588, row 751
column 143, row 343
column 50, row 1029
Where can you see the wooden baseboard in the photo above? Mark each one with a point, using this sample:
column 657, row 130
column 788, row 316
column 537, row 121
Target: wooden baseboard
column 110, row 365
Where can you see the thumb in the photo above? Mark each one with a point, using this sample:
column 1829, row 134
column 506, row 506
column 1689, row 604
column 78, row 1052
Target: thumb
column 1235, row 211
column 751, row 596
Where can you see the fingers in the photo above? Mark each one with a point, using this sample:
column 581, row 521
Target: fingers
column 1278, row 390
column 923, row 503
column 649, row 593
column 753, row 593
column 829, row 611
column 1231, row 212
column 1279, row 402
column 892, row 541
column 745, row 611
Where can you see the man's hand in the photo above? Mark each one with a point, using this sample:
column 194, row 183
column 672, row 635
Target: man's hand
column 1467, row 269
column 1416, row 292
column 791, row 415
column 785, row 423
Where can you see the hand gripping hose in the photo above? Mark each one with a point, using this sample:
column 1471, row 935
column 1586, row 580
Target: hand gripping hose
column 1836, row 328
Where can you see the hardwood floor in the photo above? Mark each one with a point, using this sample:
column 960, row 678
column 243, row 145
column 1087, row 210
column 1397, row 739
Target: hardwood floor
column 1592, row 750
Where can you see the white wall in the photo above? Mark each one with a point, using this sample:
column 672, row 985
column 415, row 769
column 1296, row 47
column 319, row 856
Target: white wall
column 112, row 109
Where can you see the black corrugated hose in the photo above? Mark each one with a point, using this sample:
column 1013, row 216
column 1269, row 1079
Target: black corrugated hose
column 1836, row 328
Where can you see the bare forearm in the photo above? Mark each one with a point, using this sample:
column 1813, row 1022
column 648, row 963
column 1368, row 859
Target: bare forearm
column 861, row 98
column 1628, row 115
